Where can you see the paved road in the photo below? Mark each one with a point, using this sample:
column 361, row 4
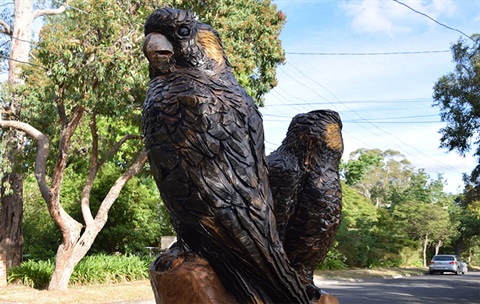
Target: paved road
column 428, row 289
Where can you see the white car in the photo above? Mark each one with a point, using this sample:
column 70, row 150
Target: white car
column 447, row 263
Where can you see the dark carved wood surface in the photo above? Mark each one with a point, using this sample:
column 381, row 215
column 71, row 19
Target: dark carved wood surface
column 306, row 189
column 186, row 278
column 204, row 138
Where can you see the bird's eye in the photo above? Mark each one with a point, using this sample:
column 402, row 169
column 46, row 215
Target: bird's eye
column 183, row 31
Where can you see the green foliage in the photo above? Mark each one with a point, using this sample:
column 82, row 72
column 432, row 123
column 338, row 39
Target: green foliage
column 377, row 174
column 87, row 58
column 411, row 255
column 83, row 59
column 392, row 210
column 361, row 161
column 135, row 220
column 457, row 95
column 41, row 235
column 32, row 273
column 364, row 238
column 466, row 212
column 335, row 260
column 96, row 269
column 412, row 210
column 93, row 53
column 103, row 269
column 423, row 213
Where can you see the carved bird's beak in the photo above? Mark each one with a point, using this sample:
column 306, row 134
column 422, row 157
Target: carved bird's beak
column 159, row 51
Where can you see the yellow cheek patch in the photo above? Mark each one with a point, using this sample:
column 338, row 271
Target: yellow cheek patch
column 333, row 137
column 211, row 44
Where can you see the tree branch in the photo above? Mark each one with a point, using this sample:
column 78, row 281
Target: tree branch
column 112, row 195
column 117, row 146
column 61, row 108
column 42, row 154
column 94, row 166
column 46, row 12
column 6, row 29
column 64, row 145
column 69, row 227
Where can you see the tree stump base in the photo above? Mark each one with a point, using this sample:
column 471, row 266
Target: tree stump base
column 185, row 278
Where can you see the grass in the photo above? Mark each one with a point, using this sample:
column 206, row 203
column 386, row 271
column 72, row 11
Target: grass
column 105, row 293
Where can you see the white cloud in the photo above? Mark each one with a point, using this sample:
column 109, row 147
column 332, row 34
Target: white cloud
column 391, row 17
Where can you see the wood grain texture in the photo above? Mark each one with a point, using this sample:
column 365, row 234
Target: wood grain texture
column 306, row 189
column 186, row 278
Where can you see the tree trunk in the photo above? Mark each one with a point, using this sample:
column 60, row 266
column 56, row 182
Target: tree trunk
column 70, row 253
column 437, row 246
column 425, row 245
column 11, row 234
column 22, row 31
column 74, row 246
column 11, row 187
column 11, row 193
column 65, row 261
column 11, row 182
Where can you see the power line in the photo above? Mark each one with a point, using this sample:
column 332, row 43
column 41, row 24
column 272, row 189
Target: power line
column 6, row 4
column 316, row 93
column 392, row 122
column 365, row 121
column 75, row 8
column 307, row 87
column 23, row 40
column 376, row 122
column 365, row 54
column 20, row 61
column 344, row 102
column 437, row 22
column 284, row 98
column 370, row 119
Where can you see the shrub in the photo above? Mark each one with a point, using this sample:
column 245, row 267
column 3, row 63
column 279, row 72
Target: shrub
column 95, row 269
column 334, row 260
column 36, row 274
column 102, row 269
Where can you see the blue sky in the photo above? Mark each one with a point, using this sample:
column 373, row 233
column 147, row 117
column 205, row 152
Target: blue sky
column 385, row 101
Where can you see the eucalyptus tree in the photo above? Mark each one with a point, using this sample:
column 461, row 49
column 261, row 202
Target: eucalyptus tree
column 457, row 94
column 376, row 174
column 16, row 24
column 422, row 213
column 467, row 214
column 86, row 74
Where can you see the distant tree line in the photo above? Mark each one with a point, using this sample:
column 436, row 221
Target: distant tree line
column 396, row 215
